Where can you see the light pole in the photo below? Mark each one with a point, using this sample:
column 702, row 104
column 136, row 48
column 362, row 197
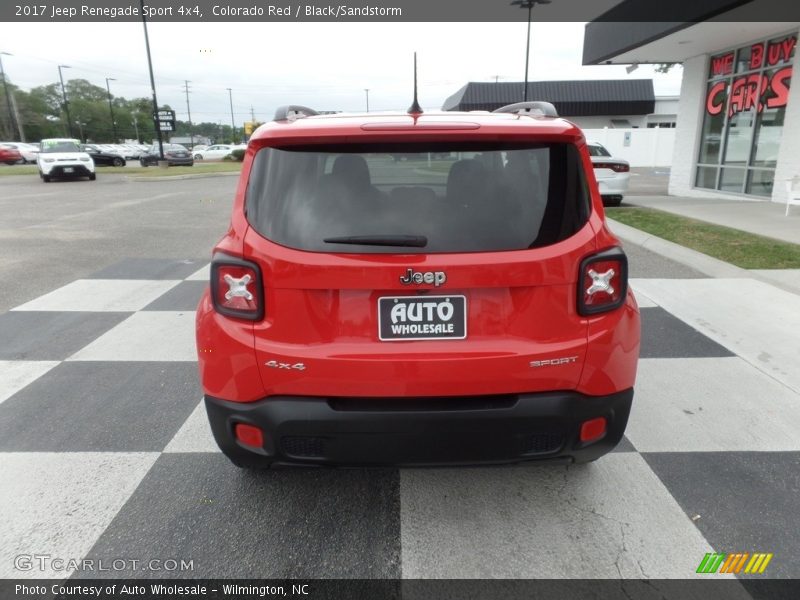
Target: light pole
column 8, row 95
column 156, row 122
column 233, row 124
column 529, row 4
column 367, row 92
column 64, row 96
column 136, row 126
column 111, row 108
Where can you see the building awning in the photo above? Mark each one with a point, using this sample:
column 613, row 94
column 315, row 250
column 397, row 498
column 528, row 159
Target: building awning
column 706, row 26
column 601, row 97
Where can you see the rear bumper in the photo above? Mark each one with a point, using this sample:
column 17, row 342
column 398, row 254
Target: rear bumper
column 616, row 186
column 419, row 431
column 78, row 170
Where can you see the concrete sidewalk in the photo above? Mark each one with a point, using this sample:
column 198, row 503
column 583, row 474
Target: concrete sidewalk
column 761, row 218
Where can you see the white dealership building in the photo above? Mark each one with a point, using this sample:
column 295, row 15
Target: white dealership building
column 738, row 125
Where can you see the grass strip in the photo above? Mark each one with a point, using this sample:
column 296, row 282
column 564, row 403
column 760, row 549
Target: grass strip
column 745, row 250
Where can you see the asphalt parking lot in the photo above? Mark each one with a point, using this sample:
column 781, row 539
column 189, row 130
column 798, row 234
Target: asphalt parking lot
column 105, row 451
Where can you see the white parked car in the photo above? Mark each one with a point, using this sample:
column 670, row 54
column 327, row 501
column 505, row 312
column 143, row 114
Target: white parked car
column 612, row 174
column 63, row 157
column 215, row 152
column 29, row 152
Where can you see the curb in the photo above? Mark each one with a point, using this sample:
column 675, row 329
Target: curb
column 180, row 177
column 705, row 264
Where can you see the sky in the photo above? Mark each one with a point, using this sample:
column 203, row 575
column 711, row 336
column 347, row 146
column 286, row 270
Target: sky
column 326, row 66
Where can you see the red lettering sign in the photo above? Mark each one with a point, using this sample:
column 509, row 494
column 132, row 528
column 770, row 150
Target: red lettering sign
column 751, row 91
column 756, row 56
column 788, row 45
column 714, row 105
column 780, row 88
column 722, row 64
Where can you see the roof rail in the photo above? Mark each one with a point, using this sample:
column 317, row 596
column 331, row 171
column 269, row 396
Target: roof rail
column 292, row 112
column 534, row 109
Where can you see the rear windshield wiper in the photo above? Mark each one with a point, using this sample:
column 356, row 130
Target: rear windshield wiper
column 415, row 241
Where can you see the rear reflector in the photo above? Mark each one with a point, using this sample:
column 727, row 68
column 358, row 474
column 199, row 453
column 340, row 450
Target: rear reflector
column 236, row 288
column 593, row 429
column 249, row 435
column 602, row 282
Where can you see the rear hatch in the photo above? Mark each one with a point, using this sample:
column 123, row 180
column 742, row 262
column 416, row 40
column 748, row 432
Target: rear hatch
column 436, row 269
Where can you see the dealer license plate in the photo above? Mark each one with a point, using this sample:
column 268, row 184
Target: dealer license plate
column 422, row 318
column 68, row 169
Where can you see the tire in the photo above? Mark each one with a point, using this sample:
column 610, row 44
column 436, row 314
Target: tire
column 92, row 176
column 198, row 157
column 141, row 162
column 118, row 162
column 612, row 201
column 46, row 178
column 11, row 162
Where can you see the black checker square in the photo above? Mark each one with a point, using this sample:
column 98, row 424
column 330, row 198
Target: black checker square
column 666, row 336
column 183, row 297
column 233, row 523
column 41, row 335
column 100, row 407
column 746, row 501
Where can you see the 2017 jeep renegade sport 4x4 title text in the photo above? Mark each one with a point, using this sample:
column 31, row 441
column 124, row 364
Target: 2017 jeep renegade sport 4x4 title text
column 417, row 289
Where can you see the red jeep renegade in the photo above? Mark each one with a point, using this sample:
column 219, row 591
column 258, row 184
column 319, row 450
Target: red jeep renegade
column 417, row 289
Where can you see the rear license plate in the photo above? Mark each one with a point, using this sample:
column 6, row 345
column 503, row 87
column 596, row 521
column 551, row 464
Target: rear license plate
column 422, row 318
column 68, row 169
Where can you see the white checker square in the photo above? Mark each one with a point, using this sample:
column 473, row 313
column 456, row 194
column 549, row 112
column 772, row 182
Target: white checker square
column 614, row 518
column 643, row 300
column 60, row 503
column 146, row 336
column 710, row 405
column 752, row 319
column 16, row 374
column 195, row 434
column 101, row 295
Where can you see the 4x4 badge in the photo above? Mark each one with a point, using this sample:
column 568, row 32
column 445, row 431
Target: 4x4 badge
column 437, row 278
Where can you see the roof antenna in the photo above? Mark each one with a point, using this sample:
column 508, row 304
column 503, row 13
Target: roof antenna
column 415, row 108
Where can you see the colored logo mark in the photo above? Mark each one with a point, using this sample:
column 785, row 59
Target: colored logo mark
column 737, row 562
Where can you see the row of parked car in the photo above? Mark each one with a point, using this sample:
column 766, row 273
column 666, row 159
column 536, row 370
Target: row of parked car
column 106, row 154
column 12, row 153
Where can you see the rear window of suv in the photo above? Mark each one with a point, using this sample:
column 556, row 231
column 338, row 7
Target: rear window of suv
column 465, row 197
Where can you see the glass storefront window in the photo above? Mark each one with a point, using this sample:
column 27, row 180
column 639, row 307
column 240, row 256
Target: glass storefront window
column 760, row 181
column 746, row 97
column 732, row 180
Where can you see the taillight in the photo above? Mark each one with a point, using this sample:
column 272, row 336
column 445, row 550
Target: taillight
column 616, row 167
column 236, row 288
column 602, row 282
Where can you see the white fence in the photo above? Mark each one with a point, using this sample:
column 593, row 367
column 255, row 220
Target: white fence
column 641, row 147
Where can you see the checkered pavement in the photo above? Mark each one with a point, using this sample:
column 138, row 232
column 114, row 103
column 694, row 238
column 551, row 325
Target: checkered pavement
column 105, row 453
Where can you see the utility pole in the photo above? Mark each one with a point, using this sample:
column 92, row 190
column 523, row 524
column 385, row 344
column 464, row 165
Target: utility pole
column 233, row 124
column 152, row 83
column 111, row 108
column 18, row 118
column 64, row 95
column 367, row 92
column 189, row 110
column 8, row 95
column 252, row 115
